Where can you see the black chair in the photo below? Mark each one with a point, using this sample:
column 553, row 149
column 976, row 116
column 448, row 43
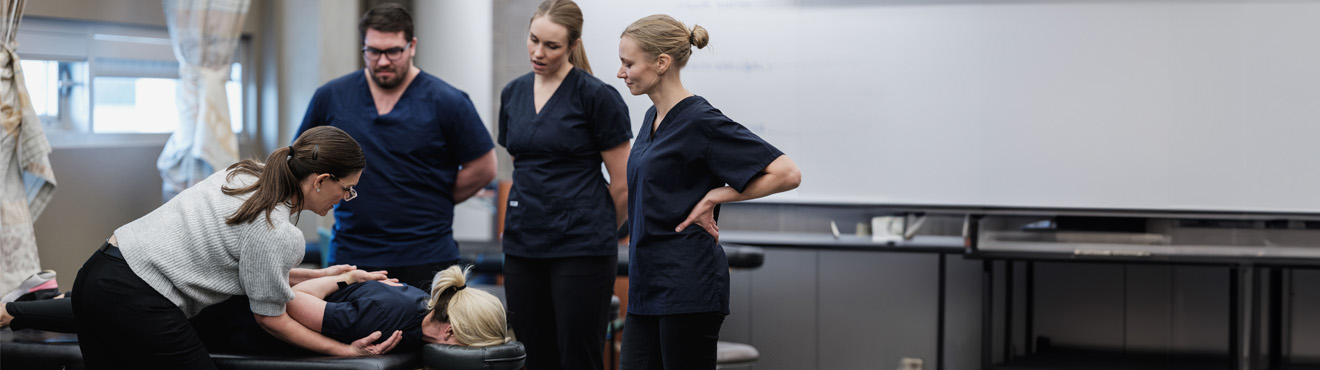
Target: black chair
column 731, row 355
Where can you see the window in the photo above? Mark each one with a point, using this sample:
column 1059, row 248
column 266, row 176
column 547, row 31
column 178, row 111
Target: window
column 43, row 78
column 148, row 104
column 127, row 104
column 57, row 92
column 87, row 77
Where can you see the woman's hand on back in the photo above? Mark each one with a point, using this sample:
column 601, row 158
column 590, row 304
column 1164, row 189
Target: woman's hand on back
column 703, row 214
column 358, row 276
column 336, row 270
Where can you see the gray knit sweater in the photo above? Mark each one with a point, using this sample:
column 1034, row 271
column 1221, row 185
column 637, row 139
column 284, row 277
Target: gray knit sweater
column 186, row 252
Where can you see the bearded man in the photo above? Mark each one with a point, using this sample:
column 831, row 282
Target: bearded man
column 427, row 150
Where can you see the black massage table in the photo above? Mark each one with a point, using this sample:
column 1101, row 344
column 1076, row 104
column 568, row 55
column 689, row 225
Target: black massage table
column 37, row 350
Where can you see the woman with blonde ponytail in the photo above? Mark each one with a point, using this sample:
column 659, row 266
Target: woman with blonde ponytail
column 461, row 316
column 232, row 234
column 687, row 160
column 560, row 124
column 352, row 305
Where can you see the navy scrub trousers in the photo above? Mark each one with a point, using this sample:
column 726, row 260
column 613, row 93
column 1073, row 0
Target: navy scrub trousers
column 562, row 304
column 682, row 341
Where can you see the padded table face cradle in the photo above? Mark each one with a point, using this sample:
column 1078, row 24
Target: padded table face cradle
column 508, row 356
column 32, row 349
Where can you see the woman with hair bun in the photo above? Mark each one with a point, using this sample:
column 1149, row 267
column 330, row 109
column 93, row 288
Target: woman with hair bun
column 687, row 160
column 232, row 234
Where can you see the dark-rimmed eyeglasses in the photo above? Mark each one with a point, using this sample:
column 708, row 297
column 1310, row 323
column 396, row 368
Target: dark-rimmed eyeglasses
column 393, row 54
column 349, row 191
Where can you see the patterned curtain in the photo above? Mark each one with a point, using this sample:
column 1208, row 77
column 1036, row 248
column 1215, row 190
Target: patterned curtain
column 205, row 34
column 27, row 182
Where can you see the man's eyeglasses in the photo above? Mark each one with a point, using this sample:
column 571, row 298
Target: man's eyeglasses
column 349, row 191
column 393, row 54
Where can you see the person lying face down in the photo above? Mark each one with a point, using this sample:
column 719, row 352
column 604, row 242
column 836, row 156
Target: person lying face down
column 451, row 314
column 366, row 302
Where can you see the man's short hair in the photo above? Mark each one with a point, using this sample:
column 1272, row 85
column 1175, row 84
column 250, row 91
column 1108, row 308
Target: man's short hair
column 387, row 17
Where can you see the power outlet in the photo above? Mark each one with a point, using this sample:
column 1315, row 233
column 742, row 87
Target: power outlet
column 911, row 363
column 887, row 229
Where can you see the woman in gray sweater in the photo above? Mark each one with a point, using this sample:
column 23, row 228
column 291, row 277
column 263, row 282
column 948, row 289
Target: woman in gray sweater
column 232, row 234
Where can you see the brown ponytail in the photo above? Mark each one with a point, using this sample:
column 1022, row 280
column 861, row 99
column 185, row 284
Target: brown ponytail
column 578, row 58
column 567, row 13
column 322, row 149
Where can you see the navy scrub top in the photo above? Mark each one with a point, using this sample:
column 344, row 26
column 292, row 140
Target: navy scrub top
column 695, row 149
column 358, row 310
column 560, row 204
column 404, row 211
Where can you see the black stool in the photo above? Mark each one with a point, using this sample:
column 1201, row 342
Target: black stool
column 731, row 355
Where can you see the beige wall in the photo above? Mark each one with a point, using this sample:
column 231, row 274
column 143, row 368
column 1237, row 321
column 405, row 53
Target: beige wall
column 306, row 43
column 317, row 42
column 99, row 189
column 464, row 62
column 509, row 57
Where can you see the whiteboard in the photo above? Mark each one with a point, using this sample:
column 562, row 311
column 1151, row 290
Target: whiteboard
column 1164, row 105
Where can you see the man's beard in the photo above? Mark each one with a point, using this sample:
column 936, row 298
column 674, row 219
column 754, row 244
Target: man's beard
column 393, row 82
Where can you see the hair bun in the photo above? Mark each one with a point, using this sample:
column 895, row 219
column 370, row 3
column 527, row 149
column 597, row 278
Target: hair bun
column 698, row 36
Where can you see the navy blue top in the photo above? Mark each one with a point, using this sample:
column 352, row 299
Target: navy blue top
column 560, row 204
column 358, row 310
column 695, row 149
column 404, row 211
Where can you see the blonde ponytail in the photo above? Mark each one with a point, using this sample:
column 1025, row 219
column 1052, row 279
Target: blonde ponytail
column 476, row 317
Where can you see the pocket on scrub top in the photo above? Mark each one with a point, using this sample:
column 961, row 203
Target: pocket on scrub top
column 553, row 217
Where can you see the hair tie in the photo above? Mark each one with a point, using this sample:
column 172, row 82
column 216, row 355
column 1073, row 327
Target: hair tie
column 289, row 157
column 460, row 287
